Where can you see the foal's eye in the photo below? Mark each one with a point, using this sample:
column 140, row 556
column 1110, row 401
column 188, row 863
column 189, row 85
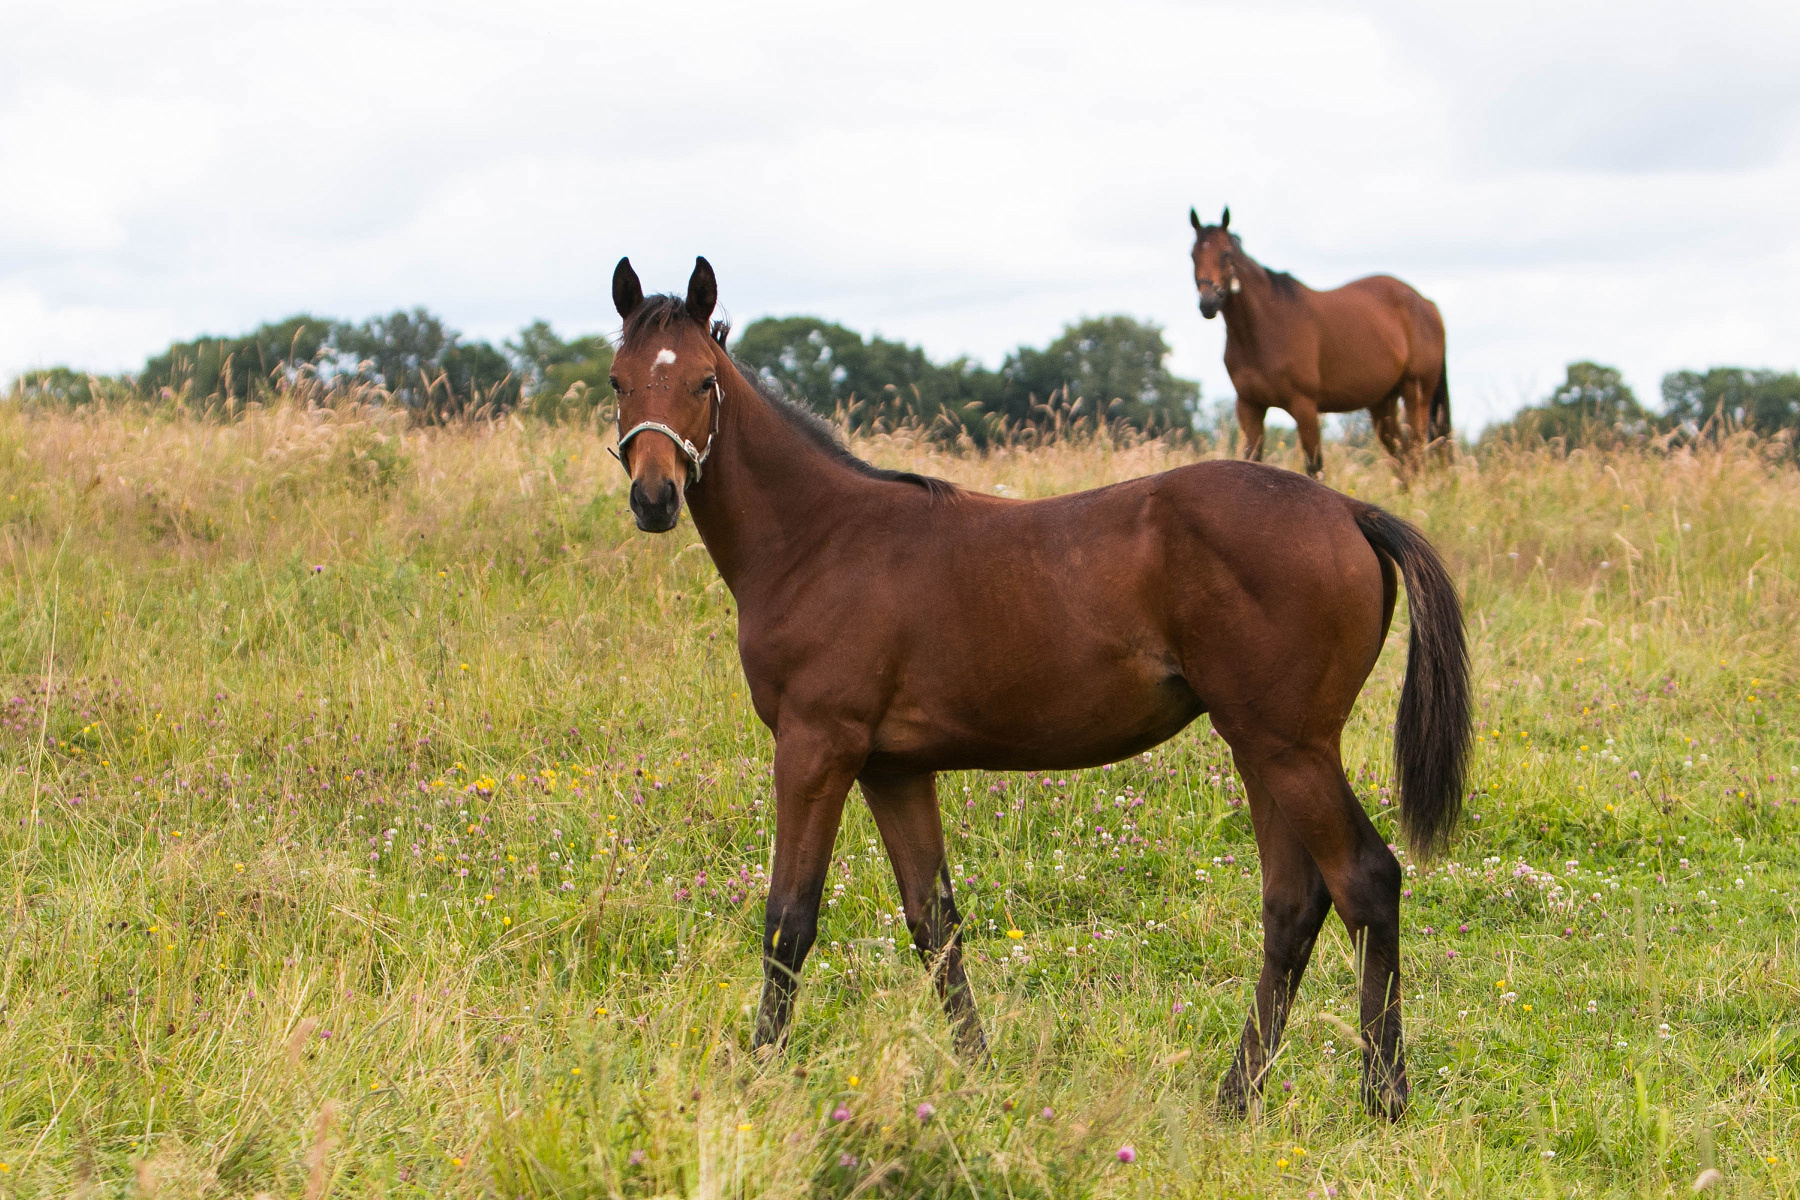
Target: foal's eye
column 614, row 381
column 707, row 384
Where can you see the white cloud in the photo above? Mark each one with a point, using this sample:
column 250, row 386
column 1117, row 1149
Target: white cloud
column 1583, row 180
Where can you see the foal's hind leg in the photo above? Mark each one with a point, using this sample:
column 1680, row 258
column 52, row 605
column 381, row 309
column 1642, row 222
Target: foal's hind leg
column 1308, row 785
column 1294, row 905
column 906, row 811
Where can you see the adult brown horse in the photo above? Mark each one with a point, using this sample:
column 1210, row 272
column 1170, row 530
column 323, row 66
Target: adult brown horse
column 1367, row 345
column 893, row 626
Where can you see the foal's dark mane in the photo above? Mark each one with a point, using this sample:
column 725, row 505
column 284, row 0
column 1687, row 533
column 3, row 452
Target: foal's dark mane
column 1285, row 285
column 663, row 312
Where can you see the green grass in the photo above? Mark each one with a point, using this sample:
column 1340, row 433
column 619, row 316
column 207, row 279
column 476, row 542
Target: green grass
column 236, row 655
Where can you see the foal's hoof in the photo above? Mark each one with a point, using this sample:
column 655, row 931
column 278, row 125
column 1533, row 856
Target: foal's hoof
column 1387, row 1100
column 1237, row 1099
column 972, row 1050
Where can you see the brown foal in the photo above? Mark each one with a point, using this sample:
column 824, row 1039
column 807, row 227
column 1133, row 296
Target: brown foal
column 893, row 626
column 1370, row 344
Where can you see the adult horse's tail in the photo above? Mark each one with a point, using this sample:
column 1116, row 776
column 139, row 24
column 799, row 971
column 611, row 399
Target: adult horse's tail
column 1431, row 736
column 1440, row 405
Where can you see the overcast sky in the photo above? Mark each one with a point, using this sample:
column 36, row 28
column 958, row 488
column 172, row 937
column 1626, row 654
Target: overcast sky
column 1613, row 181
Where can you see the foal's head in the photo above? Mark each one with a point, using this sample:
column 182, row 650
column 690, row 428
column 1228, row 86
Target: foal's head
column 667, row 377
column 1214, row 274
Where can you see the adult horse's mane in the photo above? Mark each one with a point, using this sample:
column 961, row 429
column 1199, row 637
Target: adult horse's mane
column 661, row 312
column 1285, row 285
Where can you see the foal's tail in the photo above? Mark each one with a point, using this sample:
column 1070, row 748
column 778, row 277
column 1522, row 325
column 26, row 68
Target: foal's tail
column 1431, row 736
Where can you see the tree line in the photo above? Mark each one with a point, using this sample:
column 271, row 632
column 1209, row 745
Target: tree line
column 413, row 358
column 1110, row 369
column 1594, row 406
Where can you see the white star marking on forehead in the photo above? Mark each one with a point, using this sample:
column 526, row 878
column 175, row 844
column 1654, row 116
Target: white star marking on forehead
column 665, row 357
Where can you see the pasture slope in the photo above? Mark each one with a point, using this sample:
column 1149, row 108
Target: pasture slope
column 383, row 817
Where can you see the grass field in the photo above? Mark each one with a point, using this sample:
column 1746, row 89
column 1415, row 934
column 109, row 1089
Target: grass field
column 383, row 815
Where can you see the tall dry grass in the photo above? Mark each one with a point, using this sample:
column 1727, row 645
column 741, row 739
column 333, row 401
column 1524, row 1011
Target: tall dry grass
column 240, row 653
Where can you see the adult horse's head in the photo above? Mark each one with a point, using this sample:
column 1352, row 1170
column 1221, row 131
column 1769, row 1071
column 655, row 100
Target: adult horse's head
column 666, row 377
column 1214, row 274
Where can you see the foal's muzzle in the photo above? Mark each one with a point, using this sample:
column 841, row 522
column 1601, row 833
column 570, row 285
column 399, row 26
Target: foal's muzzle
column 1211, row 299
column 655, row 504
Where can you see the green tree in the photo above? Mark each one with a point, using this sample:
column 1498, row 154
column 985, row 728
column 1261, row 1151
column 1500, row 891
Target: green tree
column 1115, row 366
column 1763, row 400
column 1593, row 406
column 558, row 377
column 425, row 365
column 834, row 369
column 61, row 387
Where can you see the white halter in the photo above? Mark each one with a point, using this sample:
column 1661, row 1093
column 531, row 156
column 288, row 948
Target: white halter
column 696, row 454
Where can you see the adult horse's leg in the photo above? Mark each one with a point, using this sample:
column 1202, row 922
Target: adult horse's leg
column 1250, row 428
column 1443, row 440
column 906, row 811
column 1363, row 877
column 812, row 778
column 1306, row 422
column 1386, row 418
column 1294, row 905
column 1418, row 420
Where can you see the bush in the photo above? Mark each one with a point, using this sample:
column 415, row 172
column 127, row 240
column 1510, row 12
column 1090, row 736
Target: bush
column 60, row 387
column 562, row 380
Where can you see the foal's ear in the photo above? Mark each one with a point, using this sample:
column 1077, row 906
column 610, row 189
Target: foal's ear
column 703, row 292
column 1225, row 221
column 628, row 293
column 1194, row 218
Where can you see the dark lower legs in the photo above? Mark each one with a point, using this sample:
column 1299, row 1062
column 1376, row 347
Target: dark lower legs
column 1374, row 901
column 1318, row 847
column 790, row 926
column 1295, row 902
column 810, row 786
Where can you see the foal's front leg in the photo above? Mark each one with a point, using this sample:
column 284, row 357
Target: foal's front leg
column 812, row 777
column 906, row 811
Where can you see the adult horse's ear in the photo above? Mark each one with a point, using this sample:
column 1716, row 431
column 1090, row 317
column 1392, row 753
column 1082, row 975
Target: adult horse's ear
column 628, row 293
column 1225, row 221
column 1193, row 218
column 703, row 292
